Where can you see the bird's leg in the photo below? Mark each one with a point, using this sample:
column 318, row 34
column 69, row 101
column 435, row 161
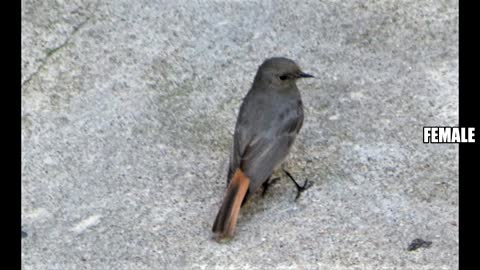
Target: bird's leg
column 300, row 189
column 267, row 183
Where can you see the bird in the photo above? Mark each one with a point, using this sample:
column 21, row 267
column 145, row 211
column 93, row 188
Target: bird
column 270, row 117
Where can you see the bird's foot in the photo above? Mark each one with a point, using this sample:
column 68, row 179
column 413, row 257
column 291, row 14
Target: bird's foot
column 267, row 183
column 300, row 189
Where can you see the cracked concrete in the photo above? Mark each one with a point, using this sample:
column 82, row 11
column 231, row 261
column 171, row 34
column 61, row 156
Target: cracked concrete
column 53, row 23
column 128, row 109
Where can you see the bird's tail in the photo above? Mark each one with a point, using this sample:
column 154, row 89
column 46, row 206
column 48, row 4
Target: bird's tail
column 226, row 219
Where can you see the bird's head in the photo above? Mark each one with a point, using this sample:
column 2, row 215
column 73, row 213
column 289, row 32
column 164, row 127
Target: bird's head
column 280, row 71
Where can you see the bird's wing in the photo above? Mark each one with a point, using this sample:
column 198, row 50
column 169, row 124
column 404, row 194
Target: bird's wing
column 260, row 147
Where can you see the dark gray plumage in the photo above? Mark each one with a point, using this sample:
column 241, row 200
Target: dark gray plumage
column 270, row 118
column 268, row 122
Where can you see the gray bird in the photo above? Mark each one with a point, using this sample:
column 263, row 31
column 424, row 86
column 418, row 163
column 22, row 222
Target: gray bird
column 269, row 119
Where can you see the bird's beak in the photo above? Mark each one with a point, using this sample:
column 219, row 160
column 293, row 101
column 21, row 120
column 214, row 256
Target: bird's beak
column 305, row 75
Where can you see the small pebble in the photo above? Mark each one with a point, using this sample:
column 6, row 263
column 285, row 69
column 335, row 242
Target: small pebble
column 419, row 243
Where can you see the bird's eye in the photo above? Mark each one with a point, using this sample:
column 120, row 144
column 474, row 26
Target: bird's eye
column 283, row 77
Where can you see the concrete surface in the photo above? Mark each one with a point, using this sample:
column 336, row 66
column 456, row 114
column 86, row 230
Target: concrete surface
column 127, row 117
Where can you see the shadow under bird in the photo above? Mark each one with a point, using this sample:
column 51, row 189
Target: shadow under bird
column 268, row 122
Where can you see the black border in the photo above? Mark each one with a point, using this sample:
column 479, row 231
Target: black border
column 468, row 118
column 12, row 131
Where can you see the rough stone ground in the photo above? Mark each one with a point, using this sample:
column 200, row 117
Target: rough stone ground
column 127, row 117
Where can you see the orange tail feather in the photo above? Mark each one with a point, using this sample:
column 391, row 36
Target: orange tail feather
column 227, row 216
